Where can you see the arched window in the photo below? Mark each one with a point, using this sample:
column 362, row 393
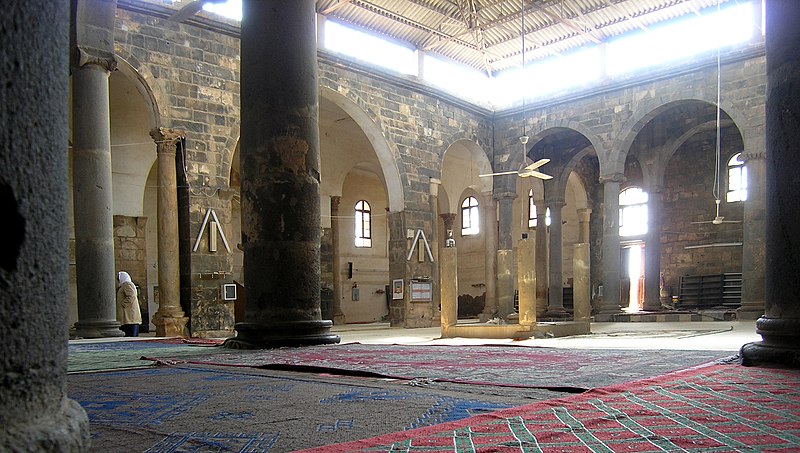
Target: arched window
column 470, row 220
column 632, row 212
column 737, row 179
column 532, row 217
column 363, row 225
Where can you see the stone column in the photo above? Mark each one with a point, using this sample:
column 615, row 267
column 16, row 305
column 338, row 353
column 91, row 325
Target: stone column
column 490, row 255
column 433, row 203
column 542, row 264
column 611, row 251
column 35, row 413
column 652, row 252
column 581, row 266
column 448, row 219
column 170, row 320
column 584, row 218
column 779, row 327
column 338, row 315
column 526, row 281
column 448, row 260
column 92, row 194
column 280, row 176
column 753, row 238
column 581, row 285
column 555, row 305
column 505, row 257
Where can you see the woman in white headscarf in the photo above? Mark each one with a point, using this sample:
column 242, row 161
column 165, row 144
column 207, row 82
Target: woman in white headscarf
column 128, row 313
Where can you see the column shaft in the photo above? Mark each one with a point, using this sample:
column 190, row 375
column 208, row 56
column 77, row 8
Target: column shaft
column 169, row 319
column 542, row 275
column 779, row 327
column 448, row 261
column 505, row 257
column 652, row 253
column 35, row 413
column 338, row 314
column 92, row 201
column 490, row 255
column 611, row 244
column 526, row 281
column 753, row 239
column 555, row 305
column 581, row 284
column 280, row 176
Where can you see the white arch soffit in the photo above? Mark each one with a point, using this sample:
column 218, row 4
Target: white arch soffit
column 464, row 150
column 132, row 168
column 391, row 176
column 574, row 181
column 481, row 161
column 142, row 87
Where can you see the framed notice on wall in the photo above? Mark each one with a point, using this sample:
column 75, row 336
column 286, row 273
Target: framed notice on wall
column 397, row 289
column 421, row 291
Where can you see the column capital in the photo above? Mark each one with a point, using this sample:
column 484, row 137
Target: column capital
column 554, row 203
column 87, row 57
column 614, row 177
column 336, row 200
column 163, row 135
column 500, row 196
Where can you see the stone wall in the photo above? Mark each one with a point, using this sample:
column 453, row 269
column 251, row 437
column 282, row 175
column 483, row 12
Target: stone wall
column 130, row 255
column 191, row 74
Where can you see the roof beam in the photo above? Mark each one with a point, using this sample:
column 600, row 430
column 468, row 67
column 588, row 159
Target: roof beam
column 567, row 22
column 635, row 20
column 334, row 7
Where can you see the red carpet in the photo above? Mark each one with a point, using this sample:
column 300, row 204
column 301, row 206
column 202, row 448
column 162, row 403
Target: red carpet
column 717, row 408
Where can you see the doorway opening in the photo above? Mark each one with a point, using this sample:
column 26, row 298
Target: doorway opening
column 633, row 277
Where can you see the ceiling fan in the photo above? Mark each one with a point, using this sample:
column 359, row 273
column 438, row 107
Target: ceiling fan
column 718, row 220
column 190, row 9
column 528, row 170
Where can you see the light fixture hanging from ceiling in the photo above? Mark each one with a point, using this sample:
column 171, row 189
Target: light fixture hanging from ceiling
column 529, row 170
column 716, row 189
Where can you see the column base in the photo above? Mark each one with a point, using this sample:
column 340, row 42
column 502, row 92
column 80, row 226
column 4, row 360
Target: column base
column 780, row 345
column 97, row 329
column 295, row 333
column 169, row 325
column 556, row 313
column 65, row 429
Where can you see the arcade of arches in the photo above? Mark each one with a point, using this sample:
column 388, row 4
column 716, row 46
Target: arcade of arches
column 413, row 156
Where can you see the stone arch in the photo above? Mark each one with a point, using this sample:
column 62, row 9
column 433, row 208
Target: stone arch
column 456, row 153
column 541, row 130
column 230, row 151
column 369, row 124
column 145, row 83
column 647, row 110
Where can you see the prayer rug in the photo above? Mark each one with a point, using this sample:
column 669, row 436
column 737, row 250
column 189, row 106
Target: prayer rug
column 196, row 408
column 115, row 355
column 513, row 366
column 715, row 408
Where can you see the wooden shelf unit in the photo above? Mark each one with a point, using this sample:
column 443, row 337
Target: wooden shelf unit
column 706, row 291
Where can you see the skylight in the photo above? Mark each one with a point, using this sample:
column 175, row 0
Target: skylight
column 662, row 44
column 232, row 9
column 369, row 48
column 680, row 39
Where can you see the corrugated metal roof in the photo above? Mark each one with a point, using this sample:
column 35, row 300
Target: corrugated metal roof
column 486, row 34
